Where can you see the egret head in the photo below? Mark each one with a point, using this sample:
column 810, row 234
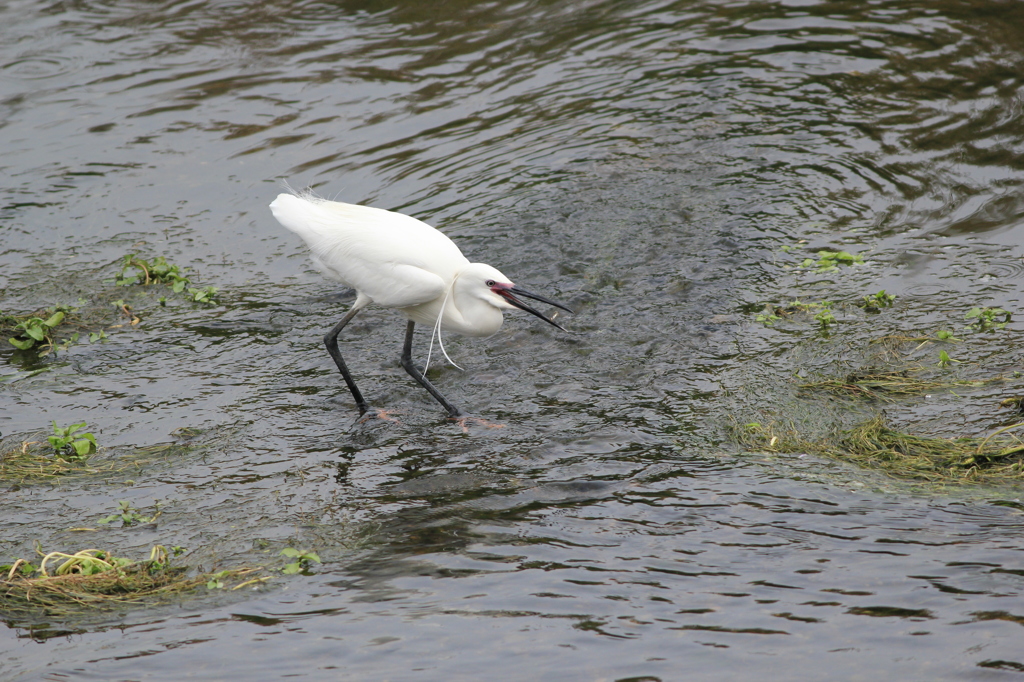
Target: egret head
column 495, row 288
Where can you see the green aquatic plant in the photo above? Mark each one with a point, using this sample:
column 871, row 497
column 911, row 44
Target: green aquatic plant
column 987, row 319
column 829, row 261
column 885, row 386
column 768, row 316
column 875, row 302
column 303, row 560
column 135, row 270
column 822, row 312
column 36, row 331
column 128, row 515
column 996, row 458
column 203, row 295
column 64, row 583
column 70, row 445
column 824, row 317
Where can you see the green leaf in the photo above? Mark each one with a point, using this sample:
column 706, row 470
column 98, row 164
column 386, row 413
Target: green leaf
column 36, row 332
column 179, row 286
column 21, row 344
column 55, row 319
column 84, row 447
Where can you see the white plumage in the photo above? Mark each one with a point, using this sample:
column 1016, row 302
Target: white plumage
column 396, row 261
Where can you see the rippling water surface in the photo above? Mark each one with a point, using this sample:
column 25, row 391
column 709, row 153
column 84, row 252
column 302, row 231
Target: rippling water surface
column 663, row 168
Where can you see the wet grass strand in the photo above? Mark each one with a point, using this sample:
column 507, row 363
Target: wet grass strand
column 997, row 458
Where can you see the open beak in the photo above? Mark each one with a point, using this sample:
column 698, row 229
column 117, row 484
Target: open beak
column 510, row 294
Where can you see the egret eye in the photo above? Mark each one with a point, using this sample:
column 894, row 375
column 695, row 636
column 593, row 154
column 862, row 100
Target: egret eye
column 490, row 282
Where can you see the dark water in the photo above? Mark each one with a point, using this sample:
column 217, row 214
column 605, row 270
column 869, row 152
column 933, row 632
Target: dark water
column 644, row 162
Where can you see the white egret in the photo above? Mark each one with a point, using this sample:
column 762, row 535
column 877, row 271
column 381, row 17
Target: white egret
column 396, row 261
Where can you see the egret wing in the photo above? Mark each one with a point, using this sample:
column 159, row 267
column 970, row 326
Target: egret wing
column 394, row 259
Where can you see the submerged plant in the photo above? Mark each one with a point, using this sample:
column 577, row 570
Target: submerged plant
column 822, row 312
column 887, row 385
column 768, row 316
column 831, row 260
column 874, row 444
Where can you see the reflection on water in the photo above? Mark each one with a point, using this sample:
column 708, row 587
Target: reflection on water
column 643, row 162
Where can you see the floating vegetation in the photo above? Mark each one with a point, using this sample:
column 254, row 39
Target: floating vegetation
column 38, row 330
column 135, row 270
column 823, row 314
column 128, row 515
column 987, row 319
column 873, row 303
column 29, row 458
column 887, row 386
column 62, row 583
column 829, row 261
column 48, row 330
column 303, row 560
column 68, row 444
column 996, row 458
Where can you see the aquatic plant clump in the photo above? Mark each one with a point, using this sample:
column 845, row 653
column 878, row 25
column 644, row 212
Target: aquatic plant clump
column 997, row 458
column 886, row 386
column 94, row 578
column 34, row 458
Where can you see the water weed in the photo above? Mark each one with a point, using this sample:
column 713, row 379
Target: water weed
column 829, row 261
column 36, row 331
column 70, row 445
column 303, row 560
column 875, row 302
column 996, row 458
column 138, row 271
column 885, row 386
column 64, row 583
column 135, row 270
column 987, row 319
column 128, row 515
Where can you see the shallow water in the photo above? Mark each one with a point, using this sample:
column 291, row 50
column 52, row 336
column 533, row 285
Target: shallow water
column 644, row 163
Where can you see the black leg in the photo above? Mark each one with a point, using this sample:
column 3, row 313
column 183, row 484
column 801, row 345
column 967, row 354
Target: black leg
column 418, row 376
column 331, row 341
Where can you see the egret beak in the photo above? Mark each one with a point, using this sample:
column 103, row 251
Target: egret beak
column 508, row 292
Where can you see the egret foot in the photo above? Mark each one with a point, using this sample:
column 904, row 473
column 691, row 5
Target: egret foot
column 383, row 415
column 463, row 421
